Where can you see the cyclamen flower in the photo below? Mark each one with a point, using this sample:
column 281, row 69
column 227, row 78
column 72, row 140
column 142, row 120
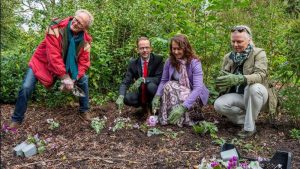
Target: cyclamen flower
column 214, row 164
column 232, row 162
column 152, row 120
column 244, row 165
column 234, row 158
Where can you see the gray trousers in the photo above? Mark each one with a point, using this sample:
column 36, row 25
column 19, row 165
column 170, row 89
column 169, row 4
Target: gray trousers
column 243, row 108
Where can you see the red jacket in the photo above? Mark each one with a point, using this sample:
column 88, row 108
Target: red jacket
column 47, row 61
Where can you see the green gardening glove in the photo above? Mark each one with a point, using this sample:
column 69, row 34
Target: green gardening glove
column 137, row 84
column 176, row 114
column 120, row 102
column 155, row 103
column 229, row 80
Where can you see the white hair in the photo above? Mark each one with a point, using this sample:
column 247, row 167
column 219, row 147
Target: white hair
column 91, row 18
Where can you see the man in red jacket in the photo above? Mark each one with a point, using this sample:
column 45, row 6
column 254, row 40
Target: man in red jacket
column 64, row 54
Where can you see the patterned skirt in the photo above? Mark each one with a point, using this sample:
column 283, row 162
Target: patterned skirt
column 173, row 95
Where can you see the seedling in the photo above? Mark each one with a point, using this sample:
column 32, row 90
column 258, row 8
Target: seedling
column 121, row 123
column 144, row 128
column 206, row 127
column 154, row 131
column 219, row 141
column 53, row 124
column 41, row 144
column 170, row 133
column 295, row 134
column 98, row 124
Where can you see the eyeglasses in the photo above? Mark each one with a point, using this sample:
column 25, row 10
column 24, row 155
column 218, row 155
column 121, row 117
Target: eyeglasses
column 80, row 25
column 144, row 48
column 240, row 29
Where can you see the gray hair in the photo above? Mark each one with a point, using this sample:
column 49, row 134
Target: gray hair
column 90, row 22
column 248, row 32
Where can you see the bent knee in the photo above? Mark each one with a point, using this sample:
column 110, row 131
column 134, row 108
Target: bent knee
column 219, row 105
column 257, row 89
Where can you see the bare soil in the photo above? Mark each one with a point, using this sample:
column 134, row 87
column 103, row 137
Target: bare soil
column 76, row 145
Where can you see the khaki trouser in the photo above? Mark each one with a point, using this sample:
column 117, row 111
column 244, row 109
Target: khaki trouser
column 243, row 108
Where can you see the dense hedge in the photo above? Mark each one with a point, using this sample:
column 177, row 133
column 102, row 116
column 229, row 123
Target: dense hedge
column 275, row 26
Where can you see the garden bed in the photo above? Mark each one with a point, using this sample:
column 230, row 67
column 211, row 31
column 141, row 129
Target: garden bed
column 76, row 145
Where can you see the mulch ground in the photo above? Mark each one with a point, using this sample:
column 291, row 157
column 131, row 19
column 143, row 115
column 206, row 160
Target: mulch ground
column 76, row 145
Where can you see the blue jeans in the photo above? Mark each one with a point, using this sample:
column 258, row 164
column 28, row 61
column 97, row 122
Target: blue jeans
column 83, row 83
column 27, row 88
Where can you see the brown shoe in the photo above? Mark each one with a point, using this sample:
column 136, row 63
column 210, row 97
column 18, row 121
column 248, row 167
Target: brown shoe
column 14, row 125
column 86, row 116
column 246, row 134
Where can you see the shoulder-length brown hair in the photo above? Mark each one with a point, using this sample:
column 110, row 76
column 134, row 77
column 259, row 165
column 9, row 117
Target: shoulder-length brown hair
column 188, row 52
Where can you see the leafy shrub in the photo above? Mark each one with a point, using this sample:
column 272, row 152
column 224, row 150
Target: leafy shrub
column 290, row 102
column 13, row 69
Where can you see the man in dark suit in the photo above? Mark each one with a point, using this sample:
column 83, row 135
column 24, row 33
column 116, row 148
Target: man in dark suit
column 145, row 72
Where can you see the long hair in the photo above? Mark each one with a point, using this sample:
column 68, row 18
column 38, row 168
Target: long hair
column 188, row 52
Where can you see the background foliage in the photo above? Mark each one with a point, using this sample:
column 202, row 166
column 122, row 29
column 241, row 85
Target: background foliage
column 275, row 25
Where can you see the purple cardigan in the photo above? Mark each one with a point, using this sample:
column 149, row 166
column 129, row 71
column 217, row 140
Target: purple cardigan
column 195, row 74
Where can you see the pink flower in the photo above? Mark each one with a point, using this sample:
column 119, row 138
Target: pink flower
column 214, row 164
column 244, row 165
column 152, row 121
column 234, row 158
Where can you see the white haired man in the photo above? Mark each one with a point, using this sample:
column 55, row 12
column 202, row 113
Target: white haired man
column 63, row 54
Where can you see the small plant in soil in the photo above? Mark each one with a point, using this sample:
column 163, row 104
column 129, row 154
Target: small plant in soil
column 218, row 141
column 121, row 123
column 206, row 127
column 53, row 124
column 295, row 134
column 144, row 128
column 40, row 143
column 98, row 124
column 154, row 131
column 172, row 134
